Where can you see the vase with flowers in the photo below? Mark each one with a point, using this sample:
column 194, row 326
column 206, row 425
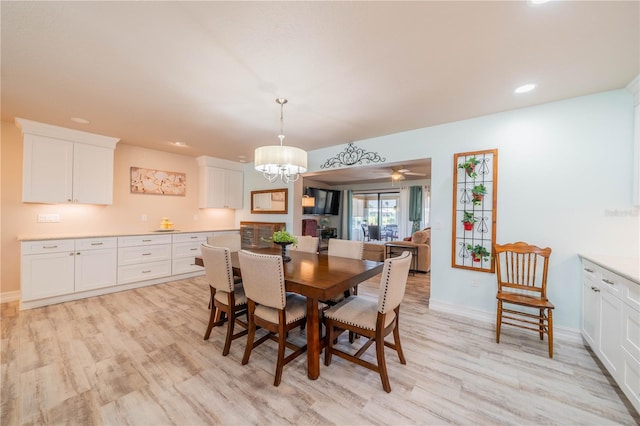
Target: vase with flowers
column 284, row 239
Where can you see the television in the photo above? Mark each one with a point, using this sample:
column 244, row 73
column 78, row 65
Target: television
column 327, row 202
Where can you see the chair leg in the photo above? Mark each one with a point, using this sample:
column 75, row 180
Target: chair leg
column 498, row 321
column 251, row 333
column 212, row 320
column 541, row 321
column 330, row 341
column 230, row 323
column 281, row 347
column 396, row 339
column 550, row 332
column 382, row 365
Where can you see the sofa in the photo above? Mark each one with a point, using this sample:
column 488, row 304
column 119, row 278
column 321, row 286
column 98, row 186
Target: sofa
column 422, row 240
column 373, row 251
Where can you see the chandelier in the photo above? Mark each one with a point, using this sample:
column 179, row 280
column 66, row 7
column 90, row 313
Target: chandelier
column 280, row 161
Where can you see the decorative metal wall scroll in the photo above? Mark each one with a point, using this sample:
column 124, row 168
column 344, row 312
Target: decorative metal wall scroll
column 475, row 190
column 353, row 155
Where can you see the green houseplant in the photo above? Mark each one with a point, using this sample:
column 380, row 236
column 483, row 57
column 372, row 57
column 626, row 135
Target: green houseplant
column 478, row 252
column 283, row 239
column 478, row 193
column 469, row 166
column 468, row 220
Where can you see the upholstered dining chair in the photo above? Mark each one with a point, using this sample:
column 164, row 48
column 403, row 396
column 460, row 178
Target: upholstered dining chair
column 306, row 244
column 345, row 248
column 521, row 271
column 372, row 319
column 270, row 306
column 227, row 296
column 231, row 241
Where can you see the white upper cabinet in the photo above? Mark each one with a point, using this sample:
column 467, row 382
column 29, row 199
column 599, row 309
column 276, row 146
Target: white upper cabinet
column 221, row 183
column 66, row 166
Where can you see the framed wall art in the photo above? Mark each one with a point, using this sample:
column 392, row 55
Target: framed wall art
column 158, row 182
column 475, row 191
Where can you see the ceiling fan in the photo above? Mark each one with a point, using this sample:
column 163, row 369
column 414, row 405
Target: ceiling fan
column 399, row 173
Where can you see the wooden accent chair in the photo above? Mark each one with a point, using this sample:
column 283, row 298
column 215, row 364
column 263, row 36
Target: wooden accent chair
column 306, row 244
column 372, row 319
column 227, row 295
column 270, row 306
column 521, row 271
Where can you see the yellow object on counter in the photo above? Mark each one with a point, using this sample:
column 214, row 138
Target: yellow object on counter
column 166, row 224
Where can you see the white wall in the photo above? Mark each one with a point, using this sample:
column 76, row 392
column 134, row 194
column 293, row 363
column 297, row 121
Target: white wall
column 564, row 181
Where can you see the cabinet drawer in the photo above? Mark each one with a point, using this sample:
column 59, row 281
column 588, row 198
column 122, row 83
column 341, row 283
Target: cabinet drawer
column 136, row 255
column 142, row 272
column 96, row 243
column 186, row 250
column 143, row 240
column 612, row 283
column 47, row 246
column 192, row 237
column 184, row 265
column 590, row 270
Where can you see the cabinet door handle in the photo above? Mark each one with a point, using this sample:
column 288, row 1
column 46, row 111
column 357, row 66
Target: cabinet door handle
column 146, row 254
column 146, row 241
column 78, row 253
column 596, row 289
column 72, row 254
column 96, row 244
column 49, row 247
column 147, row 271
column 607, row 281
column 588, row 270
column 194, row 249
column 194, row 237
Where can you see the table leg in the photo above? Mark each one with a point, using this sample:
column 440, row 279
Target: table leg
column 313, row 339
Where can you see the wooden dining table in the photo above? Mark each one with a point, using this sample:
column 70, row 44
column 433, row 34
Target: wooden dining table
column 317, row 277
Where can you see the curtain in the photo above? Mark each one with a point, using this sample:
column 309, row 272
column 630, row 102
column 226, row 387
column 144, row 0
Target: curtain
column 349, row 221
column 415, row 207
column 403, row 214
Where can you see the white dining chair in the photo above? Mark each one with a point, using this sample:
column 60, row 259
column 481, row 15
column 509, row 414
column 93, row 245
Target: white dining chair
column 372, row 319
column 270, row 306
column 227, row 295
column 231, row 241
column 345, row 248
column 306, row 244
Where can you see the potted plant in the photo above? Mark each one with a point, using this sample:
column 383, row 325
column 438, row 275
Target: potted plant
column 469, row 166
column 478, row 193
column 478, row 252
column 468, row 220
column 283, row 239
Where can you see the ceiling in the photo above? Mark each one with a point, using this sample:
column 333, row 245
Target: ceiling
column 207, row 73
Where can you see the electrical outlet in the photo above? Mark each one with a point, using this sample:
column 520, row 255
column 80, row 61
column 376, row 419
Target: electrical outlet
column 474, row 283
column 143, row 218
column 49, row 218
column 195, row 217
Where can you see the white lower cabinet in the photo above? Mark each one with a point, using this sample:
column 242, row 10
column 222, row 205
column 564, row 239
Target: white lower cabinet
column 59, row 270
column 143, row 257
column 185, row 248
column 611, row 325
column 58, row 267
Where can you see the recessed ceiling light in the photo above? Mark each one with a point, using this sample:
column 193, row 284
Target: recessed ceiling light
column 180, row 144
column 80, row 120
column 525, row 88
column 537, row 2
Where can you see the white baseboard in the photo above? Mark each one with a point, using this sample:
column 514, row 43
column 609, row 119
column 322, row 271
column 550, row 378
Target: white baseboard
column 9, row 296
column 559, row 333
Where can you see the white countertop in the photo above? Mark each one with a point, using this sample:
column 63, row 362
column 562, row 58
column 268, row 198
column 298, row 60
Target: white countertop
column 113, row 234
column 628, row 267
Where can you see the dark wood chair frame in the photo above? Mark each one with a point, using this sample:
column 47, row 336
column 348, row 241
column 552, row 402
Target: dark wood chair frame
column 335, row 328
column 278, row 333
column 229, row 313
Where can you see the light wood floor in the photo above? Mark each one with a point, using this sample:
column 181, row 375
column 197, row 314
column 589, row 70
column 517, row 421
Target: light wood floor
column 138, row 358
